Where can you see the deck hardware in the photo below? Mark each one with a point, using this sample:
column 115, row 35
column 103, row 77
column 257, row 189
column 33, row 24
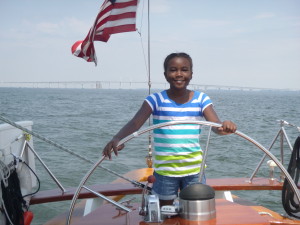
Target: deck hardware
column 272, row 166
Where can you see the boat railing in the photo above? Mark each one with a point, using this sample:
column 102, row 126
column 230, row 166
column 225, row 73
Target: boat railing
column 210, row 124
column 283, row 136
column 27, row 147
column 59, row 146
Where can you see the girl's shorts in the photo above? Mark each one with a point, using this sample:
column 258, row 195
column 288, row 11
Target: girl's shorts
column 166, row 188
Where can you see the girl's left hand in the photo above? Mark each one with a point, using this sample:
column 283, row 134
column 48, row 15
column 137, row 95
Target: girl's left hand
column 227, row 127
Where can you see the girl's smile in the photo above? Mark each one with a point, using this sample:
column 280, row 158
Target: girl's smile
column 179, row 72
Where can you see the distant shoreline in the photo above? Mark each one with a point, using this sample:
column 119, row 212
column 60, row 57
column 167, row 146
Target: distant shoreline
column 127, row 85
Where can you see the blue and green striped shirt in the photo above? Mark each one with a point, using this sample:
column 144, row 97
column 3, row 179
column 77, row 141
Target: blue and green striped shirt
column 177, row 149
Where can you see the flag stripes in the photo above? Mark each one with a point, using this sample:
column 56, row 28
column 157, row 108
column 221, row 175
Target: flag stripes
column 114, row 17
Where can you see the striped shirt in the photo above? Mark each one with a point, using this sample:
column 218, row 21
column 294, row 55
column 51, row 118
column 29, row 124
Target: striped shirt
column 177, row 149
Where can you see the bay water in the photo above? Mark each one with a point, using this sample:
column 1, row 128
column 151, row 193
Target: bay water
column 84, row 120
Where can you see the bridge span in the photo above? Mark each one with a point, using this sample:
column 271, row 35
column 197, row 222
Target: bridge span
column 122, row 85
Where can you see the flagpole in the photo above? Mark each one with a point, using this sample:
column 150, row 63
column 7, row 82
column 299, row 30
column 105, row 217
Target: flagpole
column 149, row 156
column 149, row 67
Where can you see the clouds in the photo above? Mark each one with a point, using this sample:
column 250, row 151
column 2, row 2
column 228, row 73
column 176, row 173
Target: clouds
column 206, row 23
column 48, row 28
column 232, row 42
column 160, row 7
column 265, row 15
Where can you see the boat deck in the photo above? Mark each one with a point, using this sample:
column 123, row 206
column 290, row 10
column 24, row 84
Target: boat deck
column 237, row 212
column 227, row 213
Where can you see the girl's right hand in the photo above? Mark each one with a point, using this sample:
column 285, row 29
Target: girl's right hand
column 112, row 146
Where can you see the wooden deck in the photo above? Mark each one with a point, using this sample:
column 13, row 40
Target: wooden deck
column 228, row 213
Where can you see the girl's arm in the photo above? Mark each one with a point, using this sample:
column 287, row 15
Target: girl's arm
column 133, row 125
column 227, row 127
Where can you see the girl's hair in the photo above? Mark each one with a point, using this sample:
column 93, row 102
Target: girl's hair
column 178, row 54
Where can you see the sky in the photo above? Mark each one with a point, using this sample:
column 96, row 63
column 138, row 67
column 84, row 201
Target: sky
column 247, row 43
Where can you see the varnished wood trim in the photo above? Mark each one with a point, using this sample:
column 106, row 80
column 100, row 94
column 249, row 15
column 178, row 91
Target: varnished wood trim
column 223, row 184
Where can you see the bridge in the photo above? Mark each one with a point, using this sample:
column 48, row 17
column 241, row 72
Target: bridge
column 123, row 85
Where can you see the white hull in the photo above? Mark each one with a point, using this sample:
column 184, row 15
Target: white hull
column 12, row 152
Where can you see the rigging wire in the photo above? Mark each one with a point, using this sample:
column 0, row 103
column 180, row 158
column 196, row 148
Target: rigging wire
column 141, row 39
column 148, row 72
column 139, row 184
column 149, row 61
column 139, row 31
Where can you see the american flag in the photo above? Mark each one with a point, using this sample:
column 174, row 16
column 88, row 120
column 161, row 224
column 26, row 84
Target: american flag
column 115, row 16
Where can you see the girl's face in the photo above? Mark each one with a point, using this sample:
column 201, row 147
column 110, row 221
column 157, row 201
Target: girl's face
column 179, row 72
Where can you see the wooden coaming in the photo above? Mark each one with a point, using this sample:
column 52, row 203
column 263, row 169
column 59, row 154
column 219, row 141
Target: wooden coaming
column 222, row 184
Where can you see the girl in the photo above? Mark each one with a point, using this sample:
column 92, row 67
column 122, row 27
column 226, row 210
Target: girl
column 177, row 155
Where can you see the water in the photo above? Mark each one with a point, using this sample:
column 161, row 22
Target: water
column 84, row 120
